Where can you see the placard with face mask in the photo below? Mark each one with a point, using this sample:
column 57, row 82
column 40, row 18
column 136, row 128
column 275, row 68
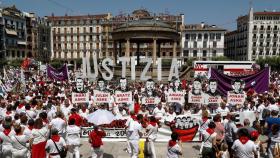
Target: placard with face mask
column 196, row 95
column 237, row 95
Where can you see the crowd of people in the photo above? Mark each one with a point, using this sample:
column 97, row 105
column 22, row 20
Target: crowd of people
column 38, row 118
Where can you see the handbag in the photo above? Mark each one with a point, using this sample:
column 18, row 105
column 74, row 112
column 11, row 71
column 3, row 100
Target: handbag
column 62, row 152
column 148, row 149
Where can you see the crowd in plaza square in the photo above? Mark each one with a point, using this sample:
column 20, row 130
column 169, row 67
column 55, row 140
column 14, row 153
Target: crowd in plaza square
column 38, row 118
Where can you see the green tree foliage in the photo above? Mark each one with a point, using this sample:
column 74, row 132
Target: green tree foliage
column 220, row 58
column 273, row 62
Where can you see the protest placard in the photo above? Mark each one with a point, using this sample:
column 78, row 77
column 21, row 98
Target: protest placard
column 101, row 97
column 80, row 97
column 123, row 97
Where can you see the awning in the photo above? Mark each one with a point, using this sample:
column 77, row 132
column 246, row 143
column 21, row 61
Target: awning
column 21, row 42
column 11, row 32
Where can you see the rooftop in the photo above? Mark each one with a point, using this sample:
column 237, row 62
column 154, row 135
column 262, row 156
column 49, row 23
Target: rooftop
column 202, row 27
column 78, row 17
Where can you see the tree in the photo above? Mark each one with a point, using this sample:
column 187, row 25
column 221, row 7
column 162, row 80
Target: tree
column 220, row 58
column 273, row 62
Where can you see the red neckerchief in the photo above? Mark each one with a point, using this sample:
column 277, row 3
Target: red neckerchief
column 204, row 119
column 133, row 117
column 84, row 110
column 8, row 112
column 20, row 106
column 46, row 121
column 171, row 143
column 243, row 139
column 153, row 124
column 55, row 138
column 30, row 128
column 7, row 131
column 210, row 131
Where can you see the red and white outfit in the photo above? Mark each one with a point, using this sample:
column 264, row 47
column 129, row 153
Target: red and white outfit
column 73, row 140
column 51, row 148
column 19, row 143
column 96, row 143
column 39, row 142
column 173, row 149
column 5, row 136
column 152, row 136
column 245, row 148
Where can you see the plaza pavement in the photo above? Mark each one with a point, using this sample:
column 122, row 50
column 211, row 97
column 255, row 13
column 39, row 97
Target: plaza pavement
column 115, row 149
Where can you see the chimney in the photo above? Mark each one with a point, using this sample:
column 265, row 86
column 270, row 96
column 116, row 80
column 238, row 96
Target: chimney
column 202, row 24
column 213, row 26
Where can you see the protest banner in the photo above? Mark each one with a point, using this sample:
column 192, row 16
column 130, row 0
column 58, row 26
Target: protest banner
column 235, row 98
column 123, row 97
column 101, row 96
column 176, row 97
column 199, row 99
column 80, row 97
column 213, row 99
column 60, row 74
column 150, row 100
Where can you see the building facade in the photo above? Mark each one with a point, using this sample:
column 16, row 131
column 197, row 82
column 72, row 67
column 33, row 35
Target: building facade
column 14, row 33
column 202, row 42
column 257, row 36
column 74, row 36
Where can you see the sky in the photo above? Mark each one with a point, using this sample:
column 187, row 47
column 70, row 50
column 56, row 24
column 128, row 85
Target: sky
column 222, row 13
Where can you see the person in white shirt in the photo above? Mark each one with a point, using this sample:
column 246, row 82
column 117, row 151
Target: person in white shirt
column 39, row 137
column 170, row 116
column 152, row 130
column 59, row 123
column 73, row 139
column 260, row 109
column 30, row 113
column 159, row 112
column 5, row 136
column 55, row 142
column 209, row 141
column 174, row 149
column 244, row 147
column 222, row 109
column 19, row 142
column 134, row 134
column 83, row 112
column 66, row 108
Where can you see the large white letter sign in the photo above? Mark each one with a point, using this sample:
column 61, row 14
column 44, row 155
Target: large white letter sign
column 86, row 67
column 104, row 65
column 159, row 69
column 149, row 61
column 124, row 60
column 173, row 69
column 132, row 64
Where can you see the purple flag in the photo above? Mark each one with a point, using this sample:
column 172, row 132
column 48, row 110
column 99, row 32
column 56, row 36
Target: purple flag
column 259, row 81
column 60, row 74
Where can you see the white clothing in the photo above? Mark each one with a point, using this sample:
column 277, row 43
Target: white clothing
column 170, row 117
column 40, row 135
column 134, row 128
column 30, row 114
column 19, row 146
column 152, row 133
column 134, row 147
column 222, row 111
column 244, row 150
column 7, row 144
column 84, row 114
column 27, row 132
column 73, row 135
column 172, row 152
column 272, row 107
column 59, row 124
column 260, row 111
column 208, row 139
column 50, row 146
column 159, row 113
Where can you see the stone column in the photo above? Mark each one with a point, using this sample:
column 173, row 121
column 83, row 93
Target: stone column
column 75, row 65
column 120, row 48
column 138, row 53
column 114, row 55
column 127, row 48
column 174, row 49
column 154, row 51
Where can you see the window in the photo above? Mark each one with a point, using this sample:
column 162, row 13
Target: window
column 274, row 44
column 254, row 44
column 254, row 52
column 205, row 36
column 199, row 36
column 262, row 27
column 195, row 44
column 186, row 44
column 214, row 53
column 255, row 27
column 261, row 36
column 193, row 36
column 90, row 29
column 275, row 35
column 268, row 28
column 212, row 36
column 214, row 44
column 187, row 36
column 85, row 30
column 267, row 44
column 204, row 44
column 275, row 27
column 194, row 53
column 274, row 52
column 261, row 44
column 186, row 53
column 267, row 52
column 261, row 52
column 204, row 53
column 255, row 36
column 268, row 36
column 218, row 36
